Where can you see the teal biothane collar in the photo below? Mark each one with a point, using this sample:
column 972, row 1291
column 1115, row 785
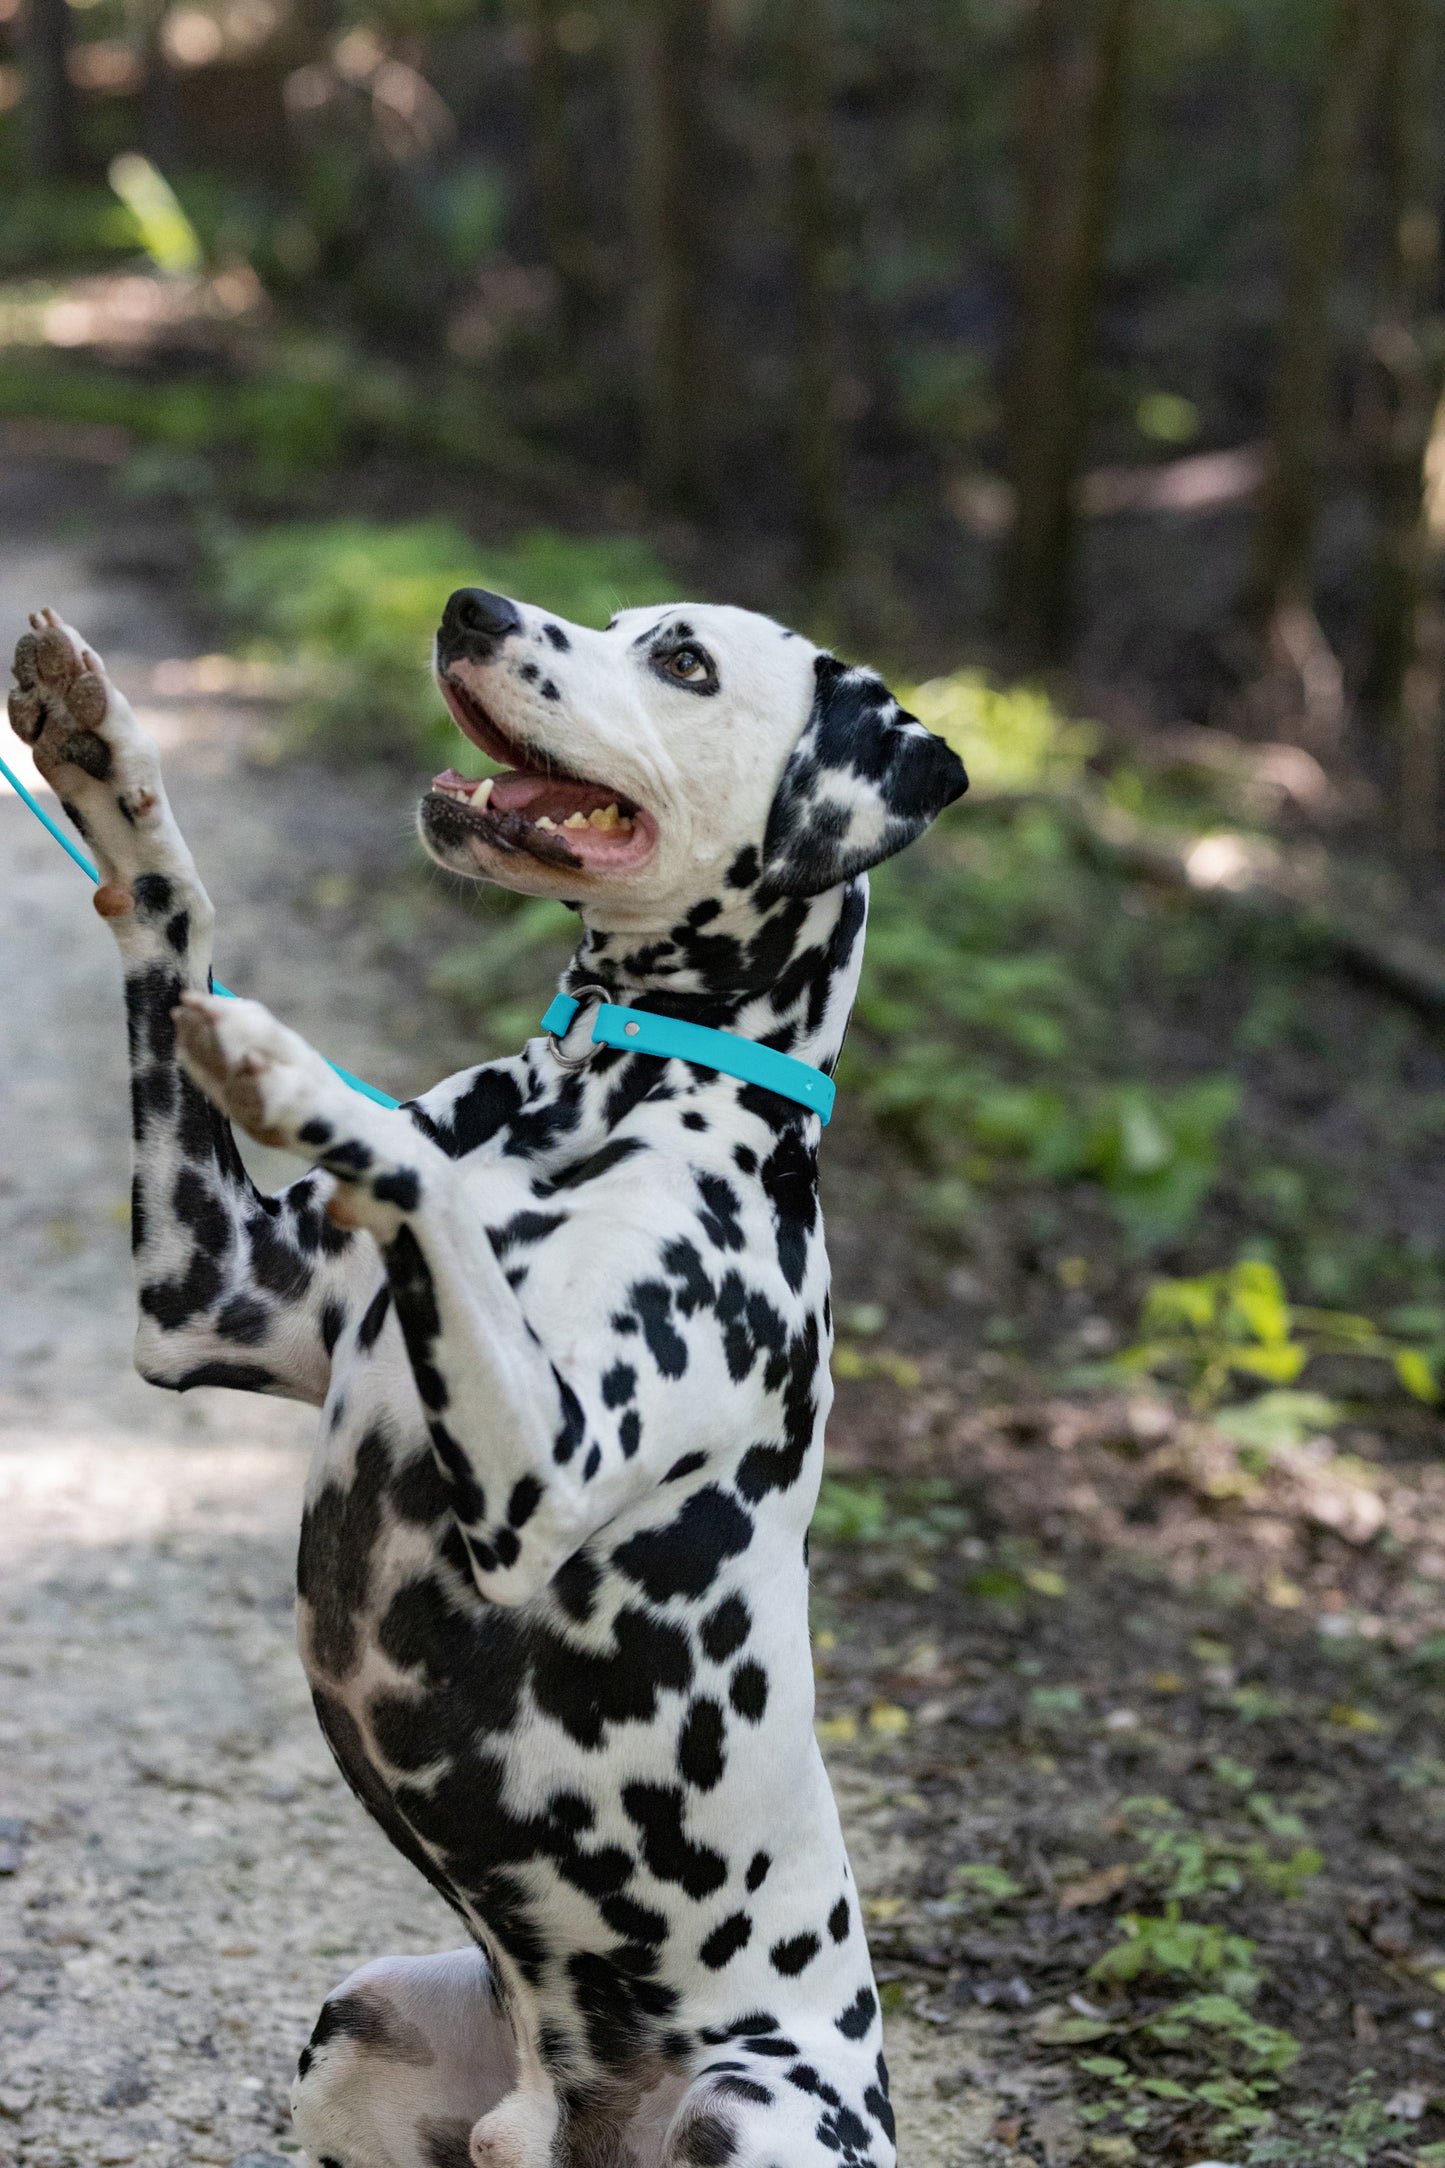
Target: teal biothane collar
column 639, row 1031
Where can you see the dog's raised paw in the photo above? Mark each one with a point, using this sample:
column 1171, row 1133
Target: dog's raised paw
column 258, row 1071
column 77, row 724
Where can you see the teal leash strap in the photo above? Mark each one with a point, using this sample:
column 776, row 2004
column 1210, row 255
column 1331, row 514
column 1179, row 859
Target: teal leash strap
column 642, row 1031
column 368, row 1091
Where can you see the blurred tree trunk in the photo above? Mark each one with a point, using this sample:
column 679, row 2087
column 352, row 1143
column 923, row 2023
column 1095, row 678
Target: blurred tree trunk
column 1279, row 592
column 52, row 131
column 160, row 117
column 1074, row 80
column 671, row 82
column 560, row 213
column 815, row 431
column 1402, row 683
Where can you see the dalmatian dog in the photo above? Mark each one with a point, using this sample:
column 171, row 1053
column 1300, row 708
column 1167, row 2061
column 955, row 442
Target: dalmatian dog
column 567, row 1319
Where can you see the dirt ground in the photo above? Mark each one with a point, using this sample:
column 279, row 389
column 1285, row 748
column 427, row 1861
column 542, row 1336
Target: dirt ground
column 182, row 1874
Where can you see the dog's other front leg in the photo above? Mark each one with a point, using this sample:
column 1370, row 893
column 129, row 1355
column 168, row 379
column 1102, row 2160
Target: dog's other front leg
column 504, row 1425
column 235, row 1288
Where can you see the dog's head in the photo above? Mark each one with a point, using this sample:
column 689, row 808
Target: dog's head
column 648, row 765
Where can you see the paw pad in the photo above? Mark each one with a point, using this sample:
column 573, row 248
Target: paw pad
column 27, row 716
column 54, row 657
column 86, row 700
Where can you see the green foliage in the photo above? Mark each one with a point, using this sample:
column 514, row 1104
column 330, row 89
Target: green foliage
column 1352, row 2137
column 355, row 606
column 494, row 976
column 850, row 1512
column 1186, row 1862
column 984, row 1879
column 1171, row 1947
column 164, row 231
column 1010, row 738
column 1239, row 1325
column 63, row 225
column 920, row 1515
column 1157, row 2070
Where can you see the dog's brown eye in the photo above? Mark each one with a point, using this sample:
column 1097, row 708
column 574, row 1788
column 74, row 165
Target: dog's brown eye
column 687, row 663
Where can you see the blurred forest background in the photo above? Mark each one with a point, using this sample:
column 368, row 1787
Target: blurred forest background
column 1080, row 362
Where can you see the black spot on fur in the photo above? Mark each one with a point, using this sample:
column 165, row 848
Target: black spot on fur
column 740, row 2088
column 652, row 1300
column 338, row 1535
column 524, row 1501
column 727, row 1938
column 720, row 1217
column 575, row 1585
column 558, row 638
column 658, row 1809
column 445, row 2140
column 615, row 1154
column 757, row 1872
column 683, row 1558
column 859, row 2015
column 726, row 1629
column 368, row 1332
column 241, row 1377
column 586, row 1690
column 700, row 1756
column 618, row 1385
column 403, row 1189
column 749, row 1691
column 243, row 1319
column 794, row 1954
column 838, row 1920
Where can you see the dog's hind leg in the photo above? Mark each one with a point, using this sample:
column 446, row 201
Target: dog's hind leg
column 407, row 2055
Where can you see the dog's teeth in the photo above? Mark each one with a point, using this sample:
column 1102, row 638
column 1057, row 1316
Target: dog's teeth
column 626, row 825
column 546, row 822
column 575, row 820
column 482, row 792
column 606, row 817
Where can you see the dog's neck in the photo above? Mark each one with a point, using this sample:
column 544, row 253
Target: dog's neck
column 780, row 969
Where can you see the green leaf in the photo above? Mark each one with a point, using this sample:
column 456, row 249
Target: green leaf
column 988, row 1880
column 1417, row 1374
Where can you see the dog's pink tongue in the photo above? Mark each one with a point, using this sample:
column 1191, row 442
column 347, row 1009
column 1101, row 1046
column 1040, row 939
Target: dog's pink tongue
column 450, row 779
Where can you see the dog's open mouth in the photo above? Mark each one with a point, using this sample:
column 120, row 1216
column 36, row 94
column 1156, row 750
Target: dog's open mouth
column 553, row 815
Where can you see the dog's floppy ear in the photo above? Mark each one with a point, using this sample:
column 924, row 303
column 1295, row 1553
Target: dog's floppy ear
column 864, row 779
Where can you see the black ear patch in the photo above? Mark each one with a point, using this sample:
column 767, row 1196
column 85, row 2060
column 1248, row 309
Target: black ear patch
column 864, row 779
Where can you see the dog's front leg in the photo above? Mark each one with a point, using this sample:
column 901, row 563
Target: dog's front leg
column 235, row 1288
column 505, row 1426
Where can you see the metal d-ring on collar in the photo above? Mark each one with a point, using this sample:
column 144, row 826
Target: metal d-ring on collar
column 642, row 1031
column 558, row 1027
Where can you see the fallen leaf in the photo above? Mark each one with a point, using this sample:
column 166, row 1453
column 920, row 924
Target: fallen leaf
column 1045, row 1582
column 1355, row 1719
column 1093, row 1889
column 888, row 1720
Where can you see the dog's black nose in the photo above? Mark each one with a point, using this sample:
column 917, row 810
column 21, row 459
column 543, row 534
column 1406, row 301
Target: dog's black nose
column 474, row 622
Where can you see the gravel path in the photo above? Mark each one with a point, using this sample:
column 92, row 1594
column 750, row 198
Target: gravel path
column 184, row 1875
